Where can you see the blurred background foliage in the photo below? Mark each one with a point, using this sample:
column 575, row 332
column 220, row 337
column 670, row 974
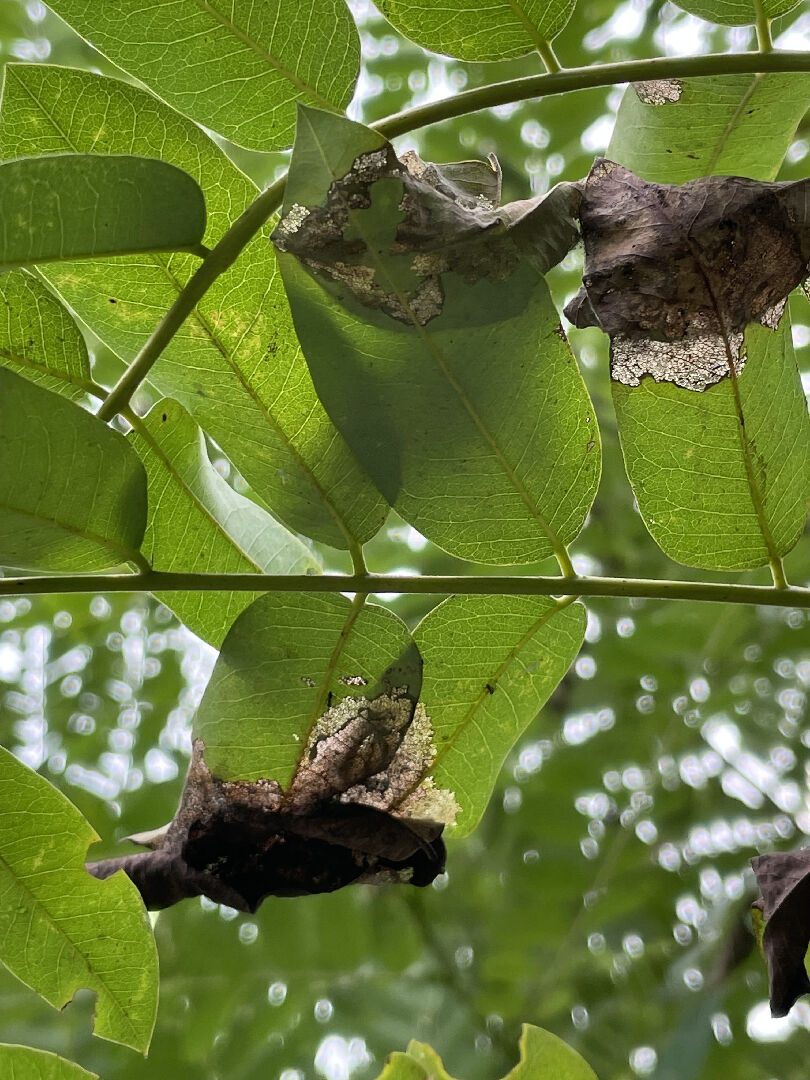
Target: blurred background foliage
column 605, row 896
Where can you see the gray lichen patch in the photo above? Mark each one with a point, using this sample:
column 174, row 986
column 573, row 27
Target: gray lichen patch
column 674, row 273
column 389, row 231
column 658, row 91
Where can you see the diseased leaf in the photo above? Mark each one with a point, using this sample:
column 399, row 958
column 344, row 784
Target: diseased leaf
column 724, row 125
column 235, row 364
column 73, row 206
column 494, row 32
column 25, row 1063
column 737, row 12
column 238, row 68
column 72, row 491
column 490, row 665
column 435, row 346
column 60, row 930
column 687, row 266
column 783, row 878
column 711, row 415
column 240, row 842
column 198, row 524
column 38, row 338
column 285, row 661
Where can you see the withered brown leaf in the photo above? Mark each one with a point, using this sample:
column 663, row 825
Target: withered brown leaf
column 674, row 272
column 784, row 881
column 357, row 810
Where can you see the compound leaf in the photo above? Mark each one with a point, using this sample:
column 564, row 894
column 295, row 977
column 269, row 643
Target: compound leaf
column 235, row 364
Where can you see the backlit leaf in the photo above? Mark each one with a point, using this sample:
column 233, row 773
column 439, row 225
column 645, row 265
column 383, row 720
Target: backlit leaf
column 68, row 206
column 238, row 68
column 737, row 12
column 38, row 339
column 198, row 524
column 491, row 32
column 60, row 929
column 25, row 1063
column 542, row 1057
column 490, row 665
column 286, row 659
column 439, row 356
column 72, row 491
column 725, row 125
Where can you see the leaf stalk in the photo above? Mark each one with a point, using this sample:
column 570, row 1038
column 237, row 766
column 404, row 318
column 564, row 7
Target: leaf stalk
column 479, row 585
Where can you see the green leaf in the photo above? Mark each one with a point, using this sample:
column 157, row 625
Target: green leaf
column 735, row 125
column 542, row 1057
column 491, row 663
column 62, row 930
column 72, row 492
column 238, row 68
column 25, row 1063
column 198, row 524
column 722, row 484
column 235, row 364
column 737, row 12
column 38, row 338
column 461, row 400
column 545, row 1057
column 76, row 206
column 399, row 1066
column 495, row 31
column 284, row 661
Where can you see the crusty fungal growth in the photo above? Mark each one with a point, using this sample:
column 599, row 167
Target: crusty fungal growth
column 659, row 91
column 674, row 273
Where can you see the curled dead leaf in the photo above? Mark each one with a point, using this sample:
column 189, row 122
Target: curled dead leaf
column 358, row 809
column 390, row 230
column 784, row 881
column 674, row 273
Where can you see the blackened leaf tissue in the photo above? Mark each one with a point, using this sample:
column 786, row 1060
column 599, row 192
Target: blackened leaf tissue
column 360, row 808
